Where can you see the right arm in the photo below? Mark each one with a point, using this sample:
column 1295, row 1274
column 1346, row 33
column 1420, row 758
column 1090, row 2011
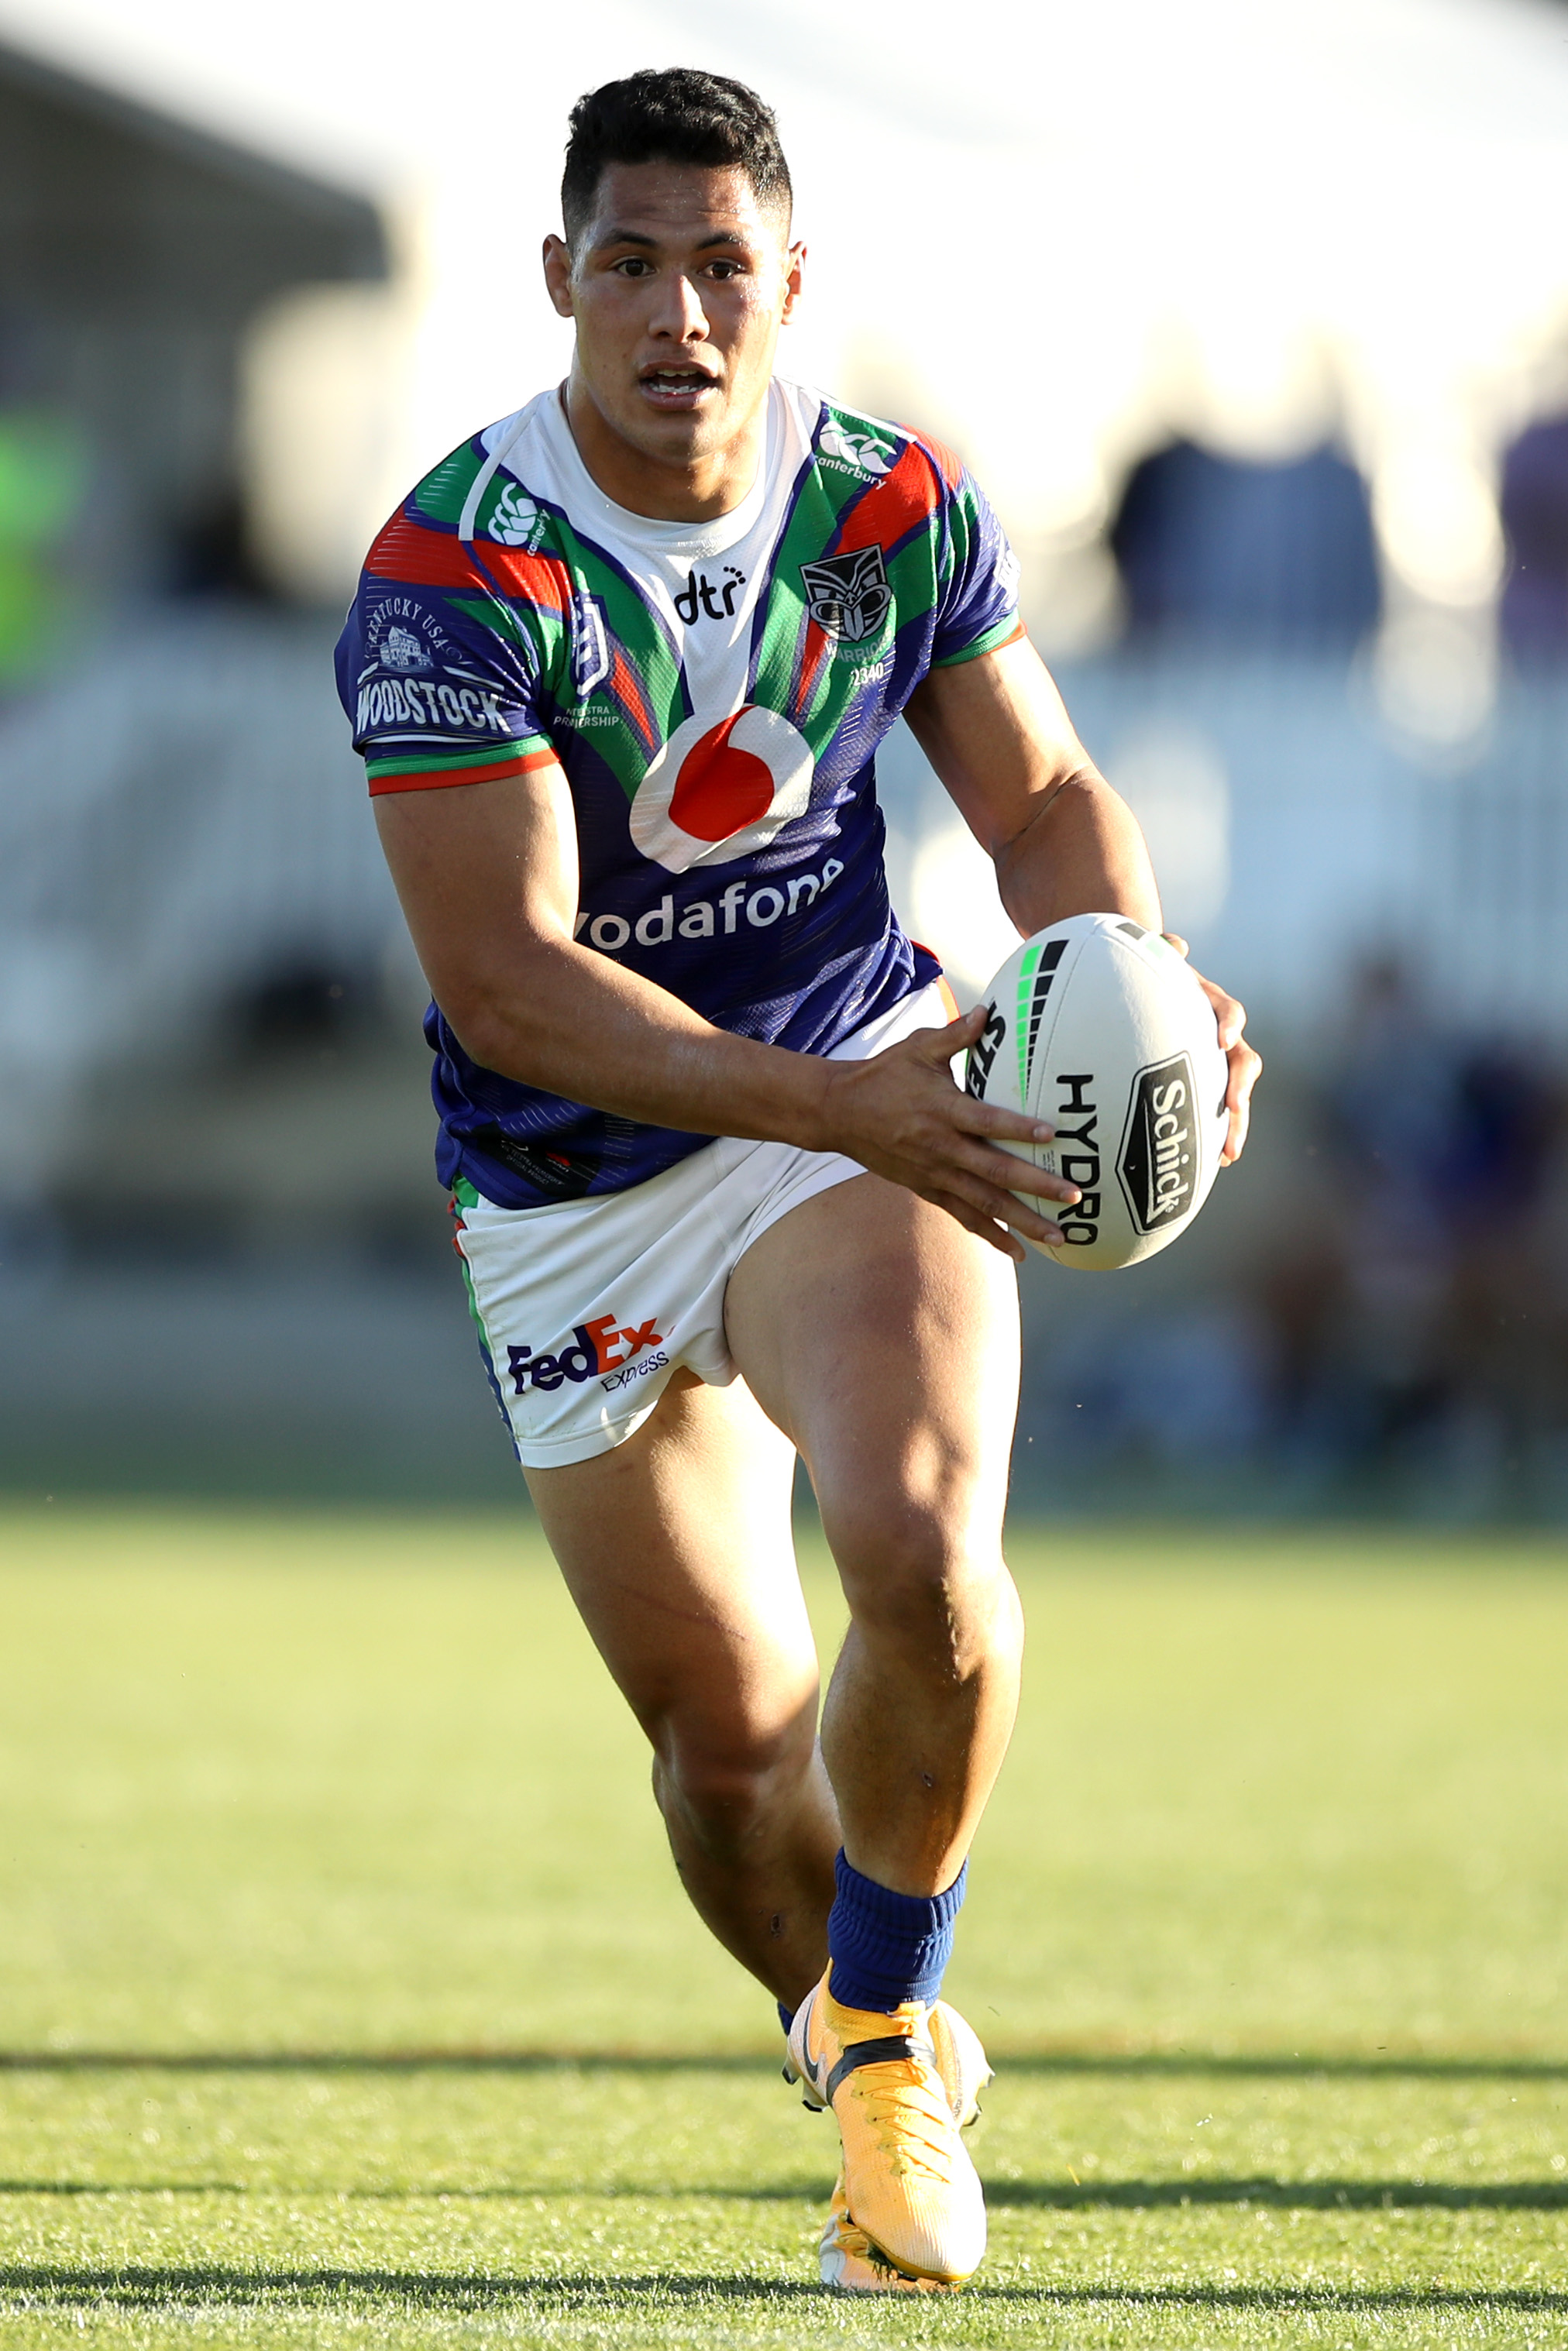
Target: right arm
column 487, row 876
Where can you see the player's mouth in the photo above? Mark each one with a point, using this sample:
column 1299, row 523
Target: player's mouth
column 676, row 387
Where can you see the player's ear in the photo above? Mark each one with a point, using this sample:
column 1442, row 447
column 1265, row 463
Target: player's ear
column 558, row 274
column 794, row 268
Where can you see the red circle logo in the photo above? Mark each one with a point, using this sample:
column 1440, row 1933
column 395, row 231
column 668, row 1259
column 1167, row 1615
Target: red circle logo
column 723, row 788
column 720, row 786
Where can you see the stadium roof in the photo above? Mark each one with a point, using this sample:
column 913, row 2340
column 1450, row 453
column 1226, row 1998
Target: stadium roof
column 106, row 204
column 1058, row 238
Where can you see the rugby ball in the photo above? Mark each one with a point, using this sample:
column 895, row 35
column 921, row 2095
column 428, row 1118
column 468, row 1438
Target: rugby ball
column 1099, row 1027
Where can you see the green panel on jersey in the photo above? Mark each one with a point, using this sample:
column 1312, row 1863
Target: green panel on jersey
column 633, row 629
column 810, row 526
column 443, row 494
column 543, row 633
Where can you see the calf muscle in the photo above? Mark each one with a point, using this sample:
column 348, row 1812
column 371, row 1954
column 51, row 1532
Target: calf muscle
column 676, row 1548
column 883, row 1341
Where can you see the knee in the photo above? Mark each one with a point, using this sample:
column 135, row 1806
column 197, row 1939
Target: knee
column 724, row 1782
column 921, row 1580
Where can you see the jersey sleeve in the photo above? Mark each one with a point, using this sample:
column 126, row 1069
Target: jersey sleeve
column 440, row 675
column 978, row 596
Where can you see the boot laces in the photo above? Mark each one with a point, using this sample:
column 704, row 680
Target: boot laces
column 910, row 2115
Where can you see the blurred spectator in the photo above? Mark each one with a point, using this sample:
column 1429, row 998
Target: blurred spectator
column 1278, row 554
column 1535, row 518
column 1421, row 1336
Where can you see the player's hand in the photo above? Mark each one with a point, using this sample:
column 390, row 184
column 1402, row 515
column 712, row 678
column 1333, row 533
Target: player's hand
column 901, row 1116
column 1246, row 1066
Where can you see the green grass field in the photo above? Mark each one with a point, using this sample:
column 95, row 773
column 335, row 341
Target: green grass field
column 348, row 1999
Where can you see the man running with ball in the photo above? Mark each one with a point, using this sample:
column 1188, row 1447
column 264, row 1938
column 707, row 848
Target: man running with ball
column 619, row 668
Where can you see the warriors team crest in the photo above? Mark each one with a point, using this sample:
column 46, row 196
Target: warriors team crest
column 848, row 595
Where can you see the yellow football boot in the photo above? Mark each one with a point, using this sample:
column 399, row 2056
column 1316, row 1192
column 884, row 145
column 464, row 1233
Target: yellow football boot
column 845, row 2255
column 910, row 2212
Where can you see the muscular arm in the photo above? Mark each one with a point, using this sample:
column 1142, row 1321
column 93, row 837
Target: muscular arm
column 487, row 876
column 1062, row 841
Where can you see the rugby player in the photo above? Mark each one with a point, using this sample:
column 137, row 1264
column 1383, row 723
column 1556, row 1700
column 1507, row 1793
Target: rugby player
column 619, row 668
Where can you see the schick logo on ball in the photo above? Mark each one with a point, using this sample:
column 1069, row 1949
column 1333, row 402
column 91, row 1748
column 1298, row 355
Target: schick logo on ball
column 1158, row 1162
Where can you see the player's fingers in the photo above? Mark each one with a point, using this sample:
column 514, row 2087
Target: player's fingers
column 935, row 1048
column 1230, row 1017
column 1246, row 1068
column 1229, row 1014
column 941, row 1044
column 998, row 1202
column 1013, row 1174
column 990, row 1118
column 1175, row 939
column 986, row 1227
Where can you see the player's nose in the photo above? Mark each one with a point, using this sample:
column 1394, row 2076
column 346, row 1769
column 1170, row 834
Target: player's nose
column 679, row 312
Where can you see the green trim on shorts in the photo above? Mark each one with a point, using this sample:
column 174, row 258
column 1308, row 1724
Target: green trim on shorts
column 464, row 1195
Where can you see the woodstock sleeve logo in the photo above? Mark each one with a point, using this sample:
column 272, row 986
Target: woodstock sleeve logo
column 400, row 649
column 848, row 595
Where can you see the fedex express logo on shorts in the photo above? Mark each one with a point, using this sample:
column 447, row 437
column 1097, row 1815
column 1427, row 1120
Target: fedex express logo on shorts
column 623, row 1351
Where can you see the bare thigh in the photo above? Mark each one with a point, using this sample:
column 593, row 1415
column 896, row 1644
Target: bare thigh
column 883, row 1341
column 676, row 1548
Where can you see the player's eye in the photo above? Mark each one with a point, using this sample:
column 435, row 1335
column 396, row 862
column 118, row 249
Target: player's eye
column 631, row 264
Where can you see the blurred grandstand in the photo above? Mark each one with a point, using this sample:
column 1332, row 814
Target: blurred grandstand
column 223, row 1257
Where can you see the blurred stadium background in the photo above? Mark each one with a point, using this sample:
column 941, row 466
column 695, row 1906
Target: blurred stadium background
column 1255, row 321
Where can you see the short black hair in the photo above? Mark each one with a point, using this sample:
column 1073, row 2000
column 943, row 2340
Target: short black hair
column 676, row 116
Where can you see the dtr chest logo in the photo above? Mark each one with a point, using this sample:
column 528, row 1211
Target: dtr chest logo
column 718, row 793
column 848, row 595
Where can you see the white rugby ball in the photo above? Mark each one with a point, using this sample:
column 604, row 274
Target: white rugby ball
column 1101, row 1027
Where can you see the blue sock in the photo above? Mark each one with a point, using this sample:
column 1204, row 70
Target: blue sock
column 888, row 1948
column 786, row 2016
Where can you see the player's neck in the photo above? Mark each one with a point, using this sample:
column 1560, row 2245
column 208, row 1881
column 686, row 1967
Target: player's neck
column 665, row 490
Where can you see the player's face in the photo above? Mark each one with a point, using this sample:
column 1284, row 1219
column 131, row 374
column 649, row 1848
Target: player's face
column 678, row 286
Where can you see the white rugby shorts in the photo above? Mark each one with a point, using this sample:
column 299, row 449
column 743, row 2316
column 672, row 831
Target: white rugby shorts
column 586, row 1307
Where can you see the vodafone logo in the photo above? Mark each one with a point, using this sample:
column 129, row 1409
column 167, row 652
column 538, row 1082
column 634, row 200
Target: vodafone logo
column 717, row 792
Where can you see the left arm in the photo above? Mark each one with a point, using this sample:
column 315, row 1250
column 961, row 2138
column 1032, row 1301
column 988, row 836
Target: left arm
column 998, row 734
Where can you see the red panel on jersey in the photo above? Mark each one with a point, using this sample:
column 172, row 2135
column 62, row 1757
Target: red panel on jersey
column 411, row 552
column 891, row 508
column 543, row 580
